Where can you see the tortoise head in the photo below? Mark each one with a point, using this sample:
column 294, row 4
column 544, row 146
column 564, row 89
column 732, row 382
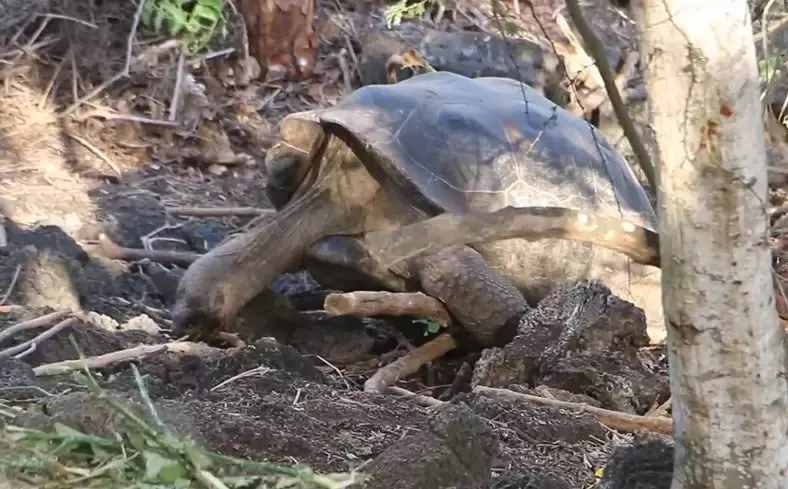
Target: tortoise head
column 288, row 162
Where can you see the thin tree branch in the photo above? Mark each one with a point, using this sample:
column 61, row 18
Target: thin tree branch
column 597, row 51
column 613, row 419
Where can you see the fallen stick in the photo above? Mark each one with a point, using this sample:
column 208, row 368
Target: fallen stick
column 110, row 250
column 11, row 286
column 11, row 309
column 38, row 322
column 410, row 363
column 112, row 358
column 613, row 419
column 420, row 399
column 218, row 211
column 366, row 304
column 11, row 351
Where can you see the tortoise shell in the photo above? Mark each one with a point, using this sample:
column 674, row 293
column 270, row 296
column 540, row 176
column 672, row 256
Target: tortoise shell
column 445, row 142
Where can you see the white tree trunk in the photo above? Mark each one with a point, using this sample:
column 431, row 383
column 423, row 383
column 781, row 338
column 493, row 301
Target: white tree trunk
column 724, row 338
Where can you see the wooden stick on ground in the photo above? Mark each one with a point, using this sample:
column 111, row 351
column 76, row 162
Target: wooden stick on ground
column 111, row 250
column 218, row 211
column 365, row 304
column 13, row 350
column 11, row 309
column 38, row 322
column 410, row 363
column 613, row 419
column 113, row 358
column 421, row 400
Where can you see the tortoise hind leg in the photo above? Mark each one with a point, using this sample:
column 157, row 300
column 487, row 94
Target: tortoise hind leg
column 486, row 304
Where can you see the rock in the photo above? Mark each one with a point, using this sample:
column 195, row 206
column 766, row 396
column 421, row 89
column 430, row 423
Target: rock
column 17, row 380
column 47, row 278
column 617, row 384
column 647, row 464
column 457, row 451
column 471, row 54
column 102, row 321
column 568, row 341
column 142, row 322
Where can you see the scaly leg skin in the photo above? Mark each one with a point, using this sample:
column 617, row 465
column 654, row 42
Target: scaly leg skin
column 486, row 305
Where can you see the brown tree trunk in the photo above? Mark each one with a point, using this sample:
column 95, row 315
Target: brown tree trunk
column 281, row 36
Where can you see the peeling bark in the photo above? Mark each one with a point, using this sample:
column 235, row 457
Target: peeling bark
column 282, row 37
column 725, row 341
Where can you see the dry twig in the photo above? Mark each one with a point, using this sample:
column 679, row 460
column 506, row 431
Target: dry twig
column 218, row 211
column 613, row 419
column 110, row 250
column 113, row 358
column 410, row 363
column 421, row 400
column 255, row 372
column 14, row 350
column 366, row 304
column 124, row 73
column 597, row 51
column 11, row 286
column 176, row 94
column 38, row 322
column 335, row 369
column 12, row 309
column 87, row 144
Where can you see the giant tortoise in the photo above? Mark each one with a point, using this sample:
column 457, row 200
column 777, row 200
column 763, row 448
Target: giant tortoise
column 388, row 156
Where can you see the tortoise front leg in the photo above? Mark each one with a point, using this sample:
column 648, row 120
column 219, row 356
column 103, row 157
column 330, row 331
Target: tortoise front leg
column 486, row 305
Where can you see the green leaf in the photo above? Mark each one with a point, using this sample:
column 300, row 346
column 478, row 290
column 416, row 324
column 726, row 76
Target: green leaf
column 162, row 469
column 431, row 326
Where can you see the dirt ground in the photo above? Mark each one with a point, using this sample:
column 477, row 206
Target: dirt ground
column 68, row 178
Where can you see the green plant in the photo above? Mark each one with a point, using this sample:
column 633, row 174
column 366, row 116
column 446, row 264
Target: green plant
column 431, row 326
column 401, row 10
column 196, row 22
column 142, row 454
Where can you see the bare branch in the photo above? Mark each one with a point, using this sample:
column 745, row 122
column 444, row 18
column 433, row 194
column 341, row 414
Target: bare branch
column 365, row 304
column 597, row 51
column 613, row 419
column 410, row 363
